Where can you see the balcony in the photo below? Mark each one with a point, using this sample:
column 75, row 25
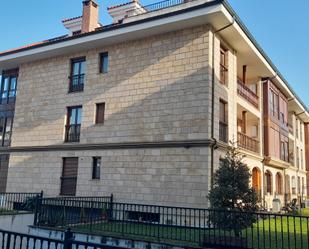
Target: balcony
column 248, row 143
column 72, row 133
column 247, row 94
column 76, row 83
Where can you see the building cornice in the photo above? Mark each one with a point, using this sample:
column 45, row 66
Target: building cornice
column 111, row 146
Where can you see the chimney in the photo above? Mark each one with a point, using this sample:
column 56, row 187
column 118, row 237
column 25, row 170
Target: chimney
column 90, row 16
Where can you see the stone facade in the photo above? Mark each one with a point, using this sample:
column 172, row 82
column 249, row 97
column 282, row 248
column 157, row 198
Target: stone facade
column 157, row 89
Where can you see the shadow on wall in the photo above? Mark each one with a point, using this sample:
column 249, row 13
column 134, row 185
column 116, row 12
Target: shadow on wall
column 162, row 93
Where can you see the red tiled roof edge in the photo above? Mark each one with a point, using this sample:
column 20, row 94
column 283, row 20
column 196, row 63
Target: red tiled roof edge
column 70, row 19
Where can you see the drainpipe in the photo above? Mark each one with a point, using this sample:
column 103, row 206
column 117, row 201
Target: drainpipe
column 213, row 147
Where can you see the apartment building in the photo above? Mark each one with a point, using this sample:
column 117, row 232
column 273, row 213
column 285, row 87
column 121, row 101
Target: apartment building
column 145, row 107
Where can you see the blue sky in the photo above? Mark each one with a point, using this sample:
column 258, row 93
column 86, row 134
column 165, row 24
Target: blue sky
column 280, row 27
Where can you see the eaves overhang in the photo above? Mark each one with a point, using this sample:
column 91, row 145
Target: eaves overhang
column 208, row 12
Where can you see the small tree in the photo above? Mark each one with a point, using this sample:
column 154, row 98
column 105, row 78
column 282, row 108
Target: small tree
column 231, row 192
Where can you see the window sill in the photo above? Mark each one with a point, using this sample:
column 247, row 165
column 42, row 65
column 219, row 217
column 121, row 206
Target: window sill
column 70, row 92
column 95, row 180
column 98, row 124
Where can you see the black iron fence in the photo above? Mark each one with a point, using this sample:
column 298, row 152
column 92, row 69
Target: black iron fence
column 12, row 240
column 177, row 225
column 18, row 201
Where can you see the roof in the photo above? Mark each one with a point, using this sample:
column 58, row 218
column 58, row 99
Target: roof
column 33, row 45
column 72, row 18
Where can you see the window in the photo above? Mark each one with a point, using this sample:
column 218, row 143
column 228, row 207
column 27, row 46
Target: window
column 298, row 184
column 77, row 75
column 223, row 66
column 271, row 102
column 223, row 123
column 279, row 184
column 268, row 178
column 100, row 111
column 73, row 124
column 77, row 32
column 301, row 159
column 297, row 157
column 5, row 130
column 282, row 150
column 300, row 131
column 8, row 89
column 296, row 126
column 96, row 168
column 302, row 185
column 293, row 185
column 104, row 62
column 276, row 106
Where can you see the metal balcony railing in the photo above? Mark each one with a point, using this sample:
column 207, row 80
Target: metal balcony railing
column 77, row 83
column 157, row 6
column 72, row 133
column 248, row 143
column 247, row 94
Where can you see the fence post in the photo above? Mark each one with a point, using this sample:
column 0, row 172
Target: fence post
column 68, row 239
column 91, row 213
column 38, row 199
column 8, row 241
column 111, row 207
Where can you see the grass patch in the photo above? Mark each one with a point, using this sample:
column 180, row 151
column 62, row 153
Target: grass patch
column 282, row 232
column 304, row 212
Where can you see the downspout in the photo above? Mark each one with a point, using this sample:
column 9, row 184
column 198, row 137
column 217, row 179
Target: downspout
column 213, row 102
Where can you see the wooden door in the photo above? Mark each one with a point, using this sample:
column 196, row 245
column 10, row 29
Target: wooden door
column 69, row 176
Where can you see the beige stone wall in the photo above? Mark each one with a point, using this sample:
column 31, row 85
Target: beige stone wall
column 156, row 89
column 167, row 176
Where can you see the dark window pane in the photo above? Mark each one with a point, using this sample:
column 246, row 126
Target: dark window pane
column 78, row 115
column 72, row 114
column 5, row 87
column 82, row 67
column 13, row 87
column 96, row 168
column 8, row 131
column 2, row 129
column 75, row 68
column 100, row 113
column 104, row 63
